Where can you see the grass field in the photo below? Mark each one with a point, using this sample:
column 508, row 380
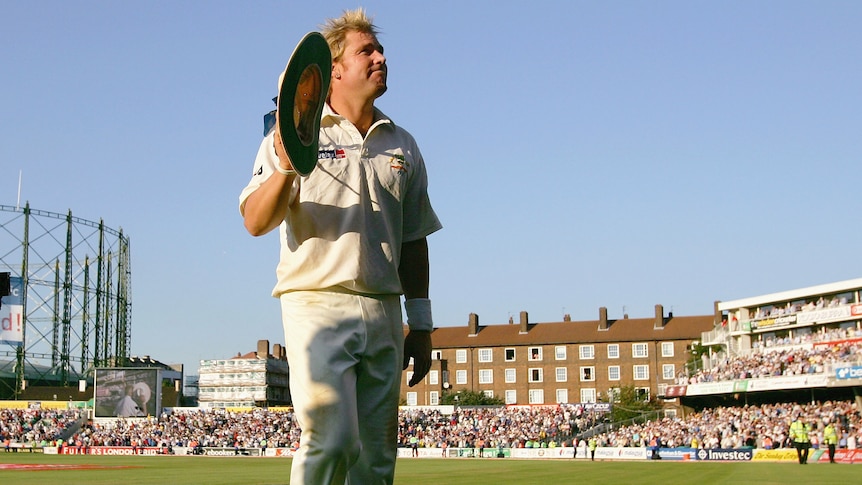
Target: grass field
column 198, row 470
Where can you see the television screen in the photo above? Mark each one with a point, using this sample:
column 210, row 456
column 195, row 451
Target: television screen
column 124, row 392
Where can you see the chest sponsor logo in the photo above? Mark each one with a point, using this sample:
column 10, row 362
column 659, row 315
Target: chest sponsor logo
column 336, row 154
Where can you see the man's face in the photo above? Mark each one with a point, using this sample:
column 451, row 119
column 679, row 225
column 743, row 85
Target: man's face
column 362, row 67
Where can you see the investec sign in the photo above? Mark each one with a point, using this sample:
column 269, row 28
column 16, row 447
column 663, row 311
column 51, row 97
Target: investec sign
column 849, row 372
column 725, row 455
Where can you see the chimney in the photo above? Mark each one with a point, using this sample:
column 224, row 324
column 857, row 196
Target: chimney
column 717, row 313
column 263, row 349
column 277, row 351
column 567, row 318
column 473, row 325
column 659, row 317
column 525, row 323
column 603, row 318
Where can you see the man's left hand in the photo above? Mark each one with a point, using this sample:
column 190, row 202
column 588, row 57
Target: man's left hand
column 417, row 345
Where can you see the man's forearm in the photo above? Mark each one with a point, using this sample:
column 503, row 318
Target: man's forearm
column 413, row 270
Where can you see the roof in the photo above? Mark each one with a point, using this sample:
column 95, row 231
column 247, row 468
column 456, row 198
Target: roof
column 248, row 355
column 837, row 287
column 624, row 330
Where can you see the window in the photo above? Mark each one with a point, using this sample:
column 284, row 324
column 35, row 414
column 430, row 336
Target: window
column 537, row 396
column 641, row 372
column 408, row 375
column 613, row 372
column 668, row 372
column 436, row 355
column 642, row 393
column 562, row 396
column 667, row 349
column 433, row 377
column 587, row 352
column 510, row 355
column 511, row 376
column 614, row 351
column 639, row 351
column 562, row 374
column 535, row 375
column 488, row 393
column 486, row 355
column 535, row 353
column 433, row 398
column 588, row 373
column 588, row 395
column 461, row 356
column 511, row 397
column 411, row 398
column 614, row 394
column 486, row 376
column 560, row 352
column 460, row 377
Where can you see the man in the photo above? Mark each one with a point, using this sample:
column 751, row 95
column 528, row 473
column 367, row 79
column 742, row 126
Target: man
column 352, row 241
column 414, row 445
column 798, row 434
column 830, row 437
column 593, row 444
column 127, row 406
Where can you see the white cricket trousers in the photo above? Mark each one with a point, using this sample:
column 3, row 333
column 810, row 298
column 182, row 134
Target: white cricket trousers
column 345, row 356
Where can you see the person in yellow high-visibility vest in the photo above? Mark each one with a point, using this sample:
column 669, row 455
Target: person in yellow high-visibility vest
column 799, row 435
column 830, row 437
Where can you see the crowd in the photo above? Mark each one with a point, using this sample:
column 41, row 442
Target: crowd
column 772, row 311
column 33, row 426
column 764, row 426
column 511, row 427
column 195, row 428
column 828, row 335
column 761, row 426
column 778, row 361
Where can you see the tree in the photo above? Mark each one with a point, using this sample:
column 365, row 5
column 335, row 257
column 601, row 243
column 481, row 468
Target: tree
column 696, row 351
column 469, row 398
column 630, row 405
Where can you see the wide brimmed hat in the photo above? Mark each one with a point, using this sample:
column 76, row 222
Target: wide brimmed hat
column 302, row 91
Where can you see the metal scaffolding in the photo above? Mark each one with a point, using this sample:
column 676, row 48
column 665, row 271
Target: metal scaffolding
column 75, row 278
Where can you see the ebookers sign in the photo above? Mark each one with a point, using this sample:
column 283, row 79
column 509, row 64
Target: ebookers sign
column 232, row 452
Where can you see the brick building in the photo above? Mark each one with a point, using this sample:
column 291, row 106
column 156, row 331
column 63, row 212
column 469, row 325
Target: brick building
column 255, row 379
column 559, row 362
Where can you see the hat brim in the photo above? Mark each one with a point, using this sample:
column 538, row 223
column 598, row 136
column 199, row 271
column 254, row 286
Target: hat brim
column 302, row 93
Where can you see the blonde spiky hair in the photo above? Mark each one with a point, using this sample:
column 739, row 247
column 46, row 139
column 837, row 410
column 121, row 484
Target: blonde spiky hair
column 335, row 30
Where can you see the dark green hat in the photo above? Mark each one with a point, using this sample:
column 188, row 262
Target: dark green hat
column 302, row 93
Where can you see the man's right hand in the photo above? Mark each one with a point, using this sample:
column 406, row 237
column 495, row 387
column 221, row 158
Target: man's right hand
column 283, row 158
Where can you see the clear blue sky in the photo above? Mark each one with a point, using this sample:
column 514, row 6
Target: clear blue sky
column 581, row 154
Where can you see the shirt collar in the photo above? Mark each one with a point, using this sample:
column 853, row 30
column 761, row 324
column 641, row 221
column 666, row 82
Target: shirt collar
column 379, row 116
